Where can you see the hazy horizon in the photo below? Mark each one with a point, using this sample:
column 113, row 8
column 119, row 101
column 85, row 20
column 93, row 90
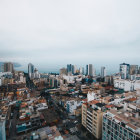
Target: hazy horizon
column 109, row 69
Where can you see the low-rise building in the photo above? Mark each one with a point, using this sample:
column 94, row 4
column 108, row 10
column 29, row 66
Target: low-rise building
column 72, row 105
column 49, row 133
column 127, row 85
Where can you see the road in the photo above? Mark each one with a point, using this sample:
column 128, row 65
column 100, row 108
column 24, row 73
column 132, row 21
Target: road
column 12, row 133
column 13, row 126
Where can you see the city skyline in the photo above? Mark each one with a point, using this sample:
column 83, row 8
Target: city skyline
column 50, row 34
column 89, row 69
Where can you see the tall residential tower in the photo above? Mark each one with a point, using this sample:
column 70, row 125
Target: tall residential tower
column 90, row 70
column 124, row 70
column 8, row 67
column 30, row 69
column 103, row 72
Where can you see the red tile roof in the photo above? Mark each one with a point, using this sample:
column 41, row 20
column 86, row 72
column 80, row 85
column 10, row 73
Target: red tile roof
column 93, row 102
column 85, row 103
column 109, row 106
column 132, row 99
column 85, row 100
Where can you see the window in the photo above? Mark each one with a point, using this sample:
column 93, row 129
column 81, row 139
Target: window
column 125, row 132
column 131, row 135
column 109, row 122
column 94, row 125
column 95, row 118
column 104, row 124
column 137, row 138
column 95, row 114
column 115, row 137
column 104, row 120
column 94, row 133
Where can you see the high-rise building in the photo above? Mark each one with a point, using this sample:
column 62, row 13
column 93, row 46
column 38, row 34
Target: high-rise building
column 36, row 74
column 74, row 69
column 103, row 72
column 51, row 82
column 120, row 126
column 134, row 69
column 81, row 70
column 90, row 70
column 86, row 69
column 8, row 67
column 92, row 118
column 30, row 69
column 124, row 70
column 63, row 71
column 69, row 68
column 139, row 70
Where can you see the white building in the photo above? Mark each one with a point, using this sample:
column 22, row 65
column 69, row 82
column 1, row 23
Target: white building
column 74, row 69
column 5, row 74
column 81, row 70
column 135, row 77
column 72, row 105
column 69, row 79
column 22, row 79
column 137, row 85
column 41, row 106
column 127, row 85
column 91, row 96
column 36, row 74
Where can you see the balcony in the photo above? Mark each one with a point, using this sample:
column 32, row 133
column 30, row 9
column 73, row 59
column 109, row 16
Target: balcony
column 90, row 110
column 89, row 116
column 89, row 119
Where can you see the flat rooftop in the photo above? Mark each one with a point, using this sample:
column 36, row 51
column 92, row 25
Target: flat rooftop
column 126, row 118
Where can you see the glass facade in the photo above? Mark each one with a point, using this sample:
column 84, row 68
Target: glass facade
column 69, row 68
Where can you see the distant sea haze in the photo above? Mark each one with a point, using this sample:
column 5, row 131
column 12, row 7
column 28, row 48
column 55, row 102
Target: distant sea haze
column 55, row 69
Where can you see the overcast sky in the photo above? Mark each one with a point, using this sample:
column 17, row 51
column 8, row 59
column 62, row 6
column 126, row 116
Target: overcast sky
column 52, row 33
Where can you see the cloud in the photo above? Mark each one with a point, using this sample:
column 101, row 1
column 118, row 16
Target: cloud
column 60, row 32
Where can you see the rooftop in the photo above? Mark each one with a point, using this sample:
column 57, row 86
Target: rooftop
column 125, row 117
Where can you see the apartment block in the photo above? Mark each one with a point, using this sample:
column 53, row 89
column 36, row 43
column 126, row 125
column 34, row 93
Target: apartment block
column 127, row 85
column 92, row 118
column 118, row 125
